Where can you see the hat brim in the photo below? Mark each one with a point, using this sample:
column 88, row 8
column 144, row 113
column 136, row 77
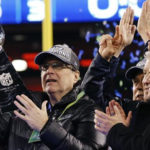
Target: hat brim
column 132, row 72
column 41, row 57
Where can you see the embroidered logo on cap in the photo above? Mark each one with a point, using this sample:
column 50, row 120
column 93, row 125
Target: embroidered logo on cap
column 59, row 51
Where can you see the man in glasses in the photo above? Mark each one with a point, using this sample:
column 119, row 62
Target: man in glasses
column 64, row 121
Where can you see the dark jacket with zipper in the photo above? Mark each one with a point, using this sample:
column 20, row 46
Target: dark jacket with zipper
column 74, row 130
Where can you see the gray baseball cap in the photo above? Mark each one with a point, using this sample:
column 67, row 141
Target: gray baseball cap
column 135, row 70
column 62, row 52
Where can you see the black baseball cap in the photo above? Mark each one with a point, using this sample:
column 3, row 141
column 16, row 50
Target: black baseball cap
column 135, row 70
column 62, row 52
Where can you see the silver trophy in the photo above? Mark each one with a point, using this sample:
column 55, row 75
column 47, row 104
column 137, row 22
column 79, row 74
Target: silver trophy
column 11, row 83
column 2, row 36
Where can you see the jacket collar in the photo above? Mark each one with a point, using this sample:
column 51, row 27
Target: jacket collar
column 70, row 96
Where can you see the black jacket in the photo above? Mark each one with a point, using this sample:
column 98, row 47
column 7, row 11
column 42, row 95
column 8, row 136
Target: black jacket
column 97, row 78
column 137, row 136
column 74, row 130
column 123, row 138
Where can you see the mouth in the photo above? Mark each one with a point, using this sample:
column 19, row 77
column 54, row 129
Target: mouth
column 146, row 89
column 50, row 81
column 140, row 96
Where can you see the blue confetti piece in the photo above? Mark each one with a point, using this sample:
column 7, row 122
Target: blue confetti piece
column 115, row 24
column 140, row 43
column 81, row 52
column 137, row 52
column 117, row 93
column 95, row 51
column 87, row 36
column 121, row 54
column 133, row 59
column 135, row 41
column 111, row 33
column 92, row 35
column 107, row 25
column 123, row 65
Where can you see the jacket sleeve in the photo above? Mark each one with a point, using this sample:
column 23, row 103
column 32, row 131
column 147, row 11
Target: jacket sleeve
column 4, row 127
column 84, row 137
column 122, row 138
column 97, row 80
column 4, row 117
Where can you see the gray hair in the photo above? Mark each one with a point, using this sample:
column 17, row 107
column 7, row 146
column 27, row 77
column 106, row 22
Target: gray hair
column 147, row 55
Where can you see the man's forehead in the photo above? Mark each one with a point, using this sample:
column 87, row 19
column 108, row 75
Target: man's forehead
column 138, row 76
column 147, row 66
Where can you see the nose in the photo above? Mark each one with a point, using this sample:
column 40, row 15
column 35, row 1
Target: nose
column 140, row 86
column 50, row 69
column 140, row 83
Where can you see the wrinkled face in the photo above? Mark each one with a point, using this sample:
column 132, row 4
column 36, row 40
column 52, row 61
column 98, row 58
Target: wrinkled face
column 138, row 87
column 146, row 81
column 57, row 78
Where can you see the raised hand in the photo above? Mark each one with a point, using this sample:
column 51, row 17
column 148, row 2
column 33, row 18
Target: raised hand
column 106, row 48
column 148, row 35
column 30, row 113
column 126, row 27
column 124, row 34
column 109, row 46
column 143, row 25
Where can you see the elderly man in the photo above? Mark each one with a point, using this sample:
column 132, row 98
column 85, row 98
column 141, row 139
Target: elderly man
column 135, row 73
column 64, row 121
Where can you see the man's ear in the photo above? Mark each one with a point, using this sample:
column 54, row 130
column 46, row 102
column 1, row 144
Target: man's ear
column 76, row 76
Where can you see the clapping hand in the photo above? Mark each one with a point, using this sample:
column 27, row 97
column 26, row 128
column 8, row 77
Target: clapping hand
column 114, row 115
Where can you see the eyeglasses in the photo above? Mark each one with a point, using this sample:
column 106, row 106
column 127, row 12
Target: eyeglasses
column 56, row 66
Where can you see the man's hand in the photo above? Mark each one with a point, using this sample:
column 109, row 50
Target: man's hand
column 30, row 113
column 106, row 49
column 104, row 122
column 144, row 21
column 126, row 27
column 124, row 33
column 111, row 111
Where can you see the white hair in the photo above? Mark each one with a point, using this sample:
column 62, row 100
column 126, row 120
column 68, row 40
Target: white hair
column 147, row 55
